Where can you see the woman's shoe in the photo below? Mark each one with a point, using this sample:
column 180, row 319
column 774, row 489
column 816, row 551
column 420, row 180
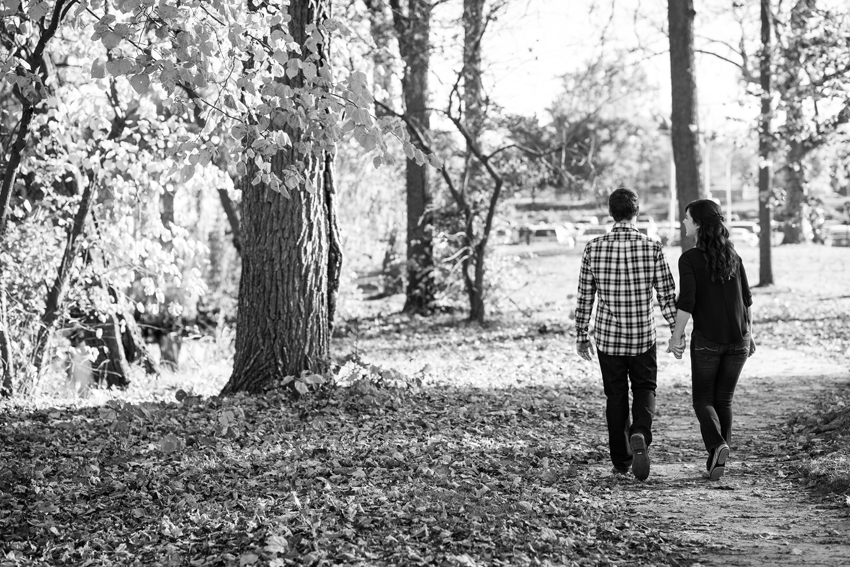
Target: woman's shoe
column 717, row 466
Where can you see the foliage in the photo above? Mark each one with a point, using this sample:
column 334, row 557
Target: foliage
column 150, row 98
column 600, row 134
column 812, row 79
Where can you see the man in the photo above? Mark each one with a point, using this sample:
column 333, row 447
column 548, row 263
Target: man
column 621, row 269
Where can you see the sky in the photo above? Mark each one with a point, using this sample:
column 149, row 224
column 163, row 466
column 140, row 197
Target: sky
column 536, row 41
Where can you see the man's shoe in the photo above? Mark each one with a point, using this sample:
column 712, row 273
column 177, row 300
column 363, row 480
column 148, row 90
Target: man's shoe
column 620, row 472
column 718, row 462
column 640, row 465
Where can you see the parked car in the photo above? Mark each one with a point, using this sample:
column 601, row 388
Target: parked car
column 837, row 235
column 670, row 236
column 588, row 233
column 546, row 233
column 749, row 226
column 743, row 237
column 648, row 227
column 587, row 219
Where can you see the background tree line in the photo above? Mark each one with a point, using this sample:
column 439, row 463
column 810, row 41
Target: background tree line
column 169, row 168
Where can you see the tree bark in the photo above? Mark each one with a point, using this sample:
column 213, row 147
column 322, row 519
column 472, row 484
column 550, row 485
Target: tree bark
column 170, row 339
column 232, row 219
column 111, row 367
column 765, row 151
column 36, row 62
column 56, row 295
column 282, row 320
column 473, row 31
column 684, row 118
column 334, row 239
column 6, row 368
column 413, row 30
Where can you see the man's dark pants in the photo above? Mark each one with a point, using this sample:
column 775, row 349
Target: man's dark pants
column 617, row 372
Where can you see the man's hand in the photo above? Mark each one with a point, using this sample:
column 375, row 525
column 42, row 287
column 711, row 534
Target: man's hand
column 752, row 347
column 676, row 348
column 585, row 350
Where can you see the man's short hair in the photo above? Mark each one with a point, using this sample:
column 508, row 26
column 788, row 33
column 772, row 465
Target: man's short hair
column 623, row 204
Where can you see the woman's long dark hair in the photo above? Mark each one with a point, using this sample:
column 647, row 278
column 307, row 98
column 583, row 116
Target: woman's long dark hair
column 713, row 240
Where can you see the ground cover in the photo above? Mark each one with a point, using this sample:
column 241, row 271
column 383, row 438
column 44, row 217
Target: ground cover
column 445, row 444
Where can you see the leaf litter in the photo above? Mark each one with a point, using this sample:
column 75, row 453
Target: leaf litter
column 376, row 469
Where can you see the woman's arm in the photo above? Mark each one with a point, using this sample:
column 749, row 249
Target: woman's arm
column 677, row 341
column 750, row 330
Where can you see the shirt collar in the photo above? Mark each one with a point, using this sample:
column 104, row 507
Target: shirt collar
column 624, row 225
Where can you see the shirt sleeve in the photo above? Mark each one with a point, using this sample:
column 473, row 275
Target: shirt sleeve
column 665, row 287
column 584, row 300
column 687, row 285
column 746, row 294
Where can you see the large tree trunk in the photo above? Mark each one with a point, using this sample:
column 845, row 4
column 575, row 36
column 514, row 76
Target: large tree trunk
column 684, row 118
column 413, row 29
column 765, row 152
column 282, row 321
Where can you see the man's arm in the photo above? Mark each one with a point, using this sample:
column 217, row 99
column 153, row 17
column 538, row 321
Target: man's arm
column 584, row 299
column 665, row 288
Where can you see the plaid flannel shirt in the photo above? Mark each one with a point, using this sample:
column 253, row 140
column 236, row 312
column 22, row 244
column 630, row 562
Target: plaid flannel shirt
column 621, row 269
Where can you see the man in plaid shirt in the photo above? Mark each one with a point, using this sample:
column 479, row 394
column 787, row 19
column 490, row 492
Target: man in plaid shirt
column 621, row 269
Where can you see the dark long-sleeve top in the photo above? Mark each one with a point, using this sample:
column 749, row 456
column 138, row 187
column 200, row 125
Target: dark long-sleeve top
column 719, row 308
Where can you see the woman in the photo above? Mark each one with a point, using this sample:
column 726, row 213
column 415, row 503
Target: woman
column 713, row 289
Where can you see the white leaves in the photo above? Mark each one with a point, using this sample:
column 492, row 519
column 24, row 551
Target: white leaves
column 120, row 66
column 140, row 83
column 38, row 10
column 110, row 40
column 277, row 544
column 169, row 529
column 309, row 70
column 314, row 379
column 169, row 444
column 238, row 131
column 98, row 70
column 435, row 161
column 409, row 151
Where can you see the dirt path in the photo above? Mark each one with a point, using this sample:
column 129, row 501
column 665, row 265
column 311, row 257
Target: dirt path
column 759, row 513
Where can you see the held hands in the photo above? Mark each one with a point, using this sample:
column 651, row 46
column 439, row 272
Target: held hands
column 585, row 350
column 677, row 348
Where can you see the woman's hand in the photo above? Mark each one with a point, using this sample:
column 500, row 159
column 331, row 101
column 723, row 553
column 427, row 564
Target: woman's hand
column 676, row 348
column 752, row 346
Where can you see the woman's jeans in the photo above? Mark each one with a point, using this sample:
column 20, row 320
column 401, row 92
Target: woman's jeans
column 617, row 373
column 715, row 369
